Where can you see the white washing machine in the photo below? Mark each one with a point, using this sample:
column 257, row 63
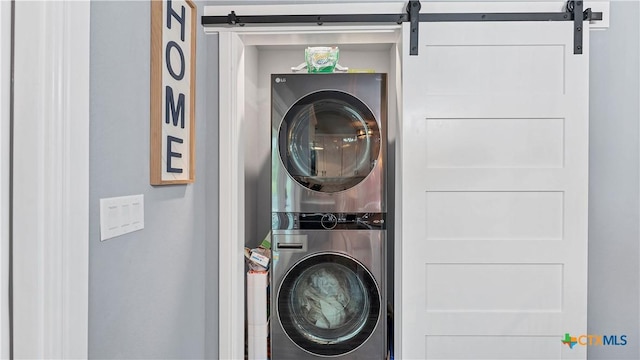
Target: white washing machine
column 328, row 292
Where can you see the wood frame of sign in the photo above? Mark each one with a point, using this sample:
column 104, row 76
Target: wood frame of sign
column 173, row 79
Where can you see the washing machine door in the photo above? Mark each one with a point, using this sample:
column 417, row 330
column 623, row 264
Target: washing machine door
column 329, row 304
column 329, row 141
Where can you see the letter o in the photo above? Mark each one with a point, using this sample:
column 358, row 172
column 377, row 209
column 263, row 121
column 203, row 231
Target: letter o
column 173, row 44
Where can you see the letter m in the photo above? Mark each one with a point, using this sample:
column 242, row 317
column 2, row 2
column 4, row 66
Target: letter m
column 172, row 111
column 609, row 340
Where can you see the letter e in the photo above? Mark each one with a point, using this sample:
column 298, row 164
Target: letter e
column 171, row 154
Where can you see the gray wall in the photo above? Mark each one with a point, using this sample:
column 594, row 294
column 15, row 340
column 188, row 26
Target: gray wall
column 152, row 293
column 614, row 273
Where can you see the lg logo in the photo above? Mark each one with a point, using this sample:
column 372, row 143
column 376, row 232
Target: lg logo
column 280, row 80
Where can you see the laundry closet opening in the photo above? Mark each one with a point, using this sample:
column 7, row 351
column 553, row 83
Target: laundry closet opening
column 260, row 62
column 258, row 55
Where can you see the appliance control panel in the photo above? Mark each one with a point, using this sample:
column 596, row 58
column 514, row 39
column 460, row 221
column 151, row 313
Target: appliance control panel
column 328, row 221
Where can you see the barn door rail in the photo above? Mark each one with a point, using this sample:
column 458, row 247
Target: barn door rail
column 574, row 12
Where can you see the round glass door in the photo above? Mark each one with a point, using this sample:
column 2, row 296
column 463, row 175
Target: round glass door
column 329, row 141
column 328, row 304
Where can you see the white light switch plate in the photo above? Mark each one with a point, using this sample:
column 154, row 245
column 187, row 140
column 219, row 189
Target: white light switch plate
column 121, row 215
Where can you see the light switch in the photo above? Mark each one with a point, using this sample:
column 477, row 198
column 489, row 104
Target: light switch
column 121, row 215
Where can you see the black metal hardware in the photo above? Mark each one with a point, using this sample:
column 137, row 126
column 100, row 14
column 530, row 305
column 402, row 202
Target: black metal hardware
column 578, row 17
column 484, row 17
column 235, row 20
column 232, row 19
column 574, row 12
column 413, row 10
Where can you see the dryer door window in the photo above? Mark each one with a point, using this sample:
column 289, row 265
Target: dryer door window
column 329, row 304
column 329, row 141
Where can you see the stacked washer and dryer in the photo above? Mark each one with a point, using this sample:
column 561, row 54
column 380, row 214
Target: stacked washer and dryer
column 328, row 287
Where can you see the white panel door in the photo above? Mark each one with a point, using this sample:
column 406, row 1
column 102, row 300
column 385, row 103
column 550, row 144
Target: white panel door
column 494, row 192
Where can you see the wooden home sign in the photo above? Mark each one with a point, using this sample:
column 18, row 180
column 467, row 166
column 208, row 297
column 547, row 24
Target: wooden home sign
column 173, row 78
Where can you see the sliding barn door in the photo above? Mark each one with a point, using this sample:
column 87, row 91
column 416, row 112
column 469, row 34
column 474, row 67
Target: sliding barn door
column 494, row 192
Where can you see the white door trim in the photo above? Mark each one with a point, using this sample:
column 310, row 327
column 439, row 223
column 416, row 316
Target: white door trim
column 5, row 118
column 231, row 173
column 51, row 179
column 231, row 195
